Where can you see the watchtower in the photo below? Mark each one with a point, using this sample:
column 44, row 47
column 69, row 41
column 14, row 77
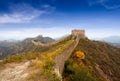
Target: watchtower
column 80, row 33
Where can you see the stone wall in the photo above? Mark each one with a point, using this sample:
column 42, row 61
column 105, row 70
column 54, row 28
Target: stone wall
column 61, row 59
column 48, row 44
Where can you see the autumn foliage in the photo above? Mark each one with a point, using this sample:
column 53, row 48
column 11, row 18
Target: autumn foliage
column 80, row 54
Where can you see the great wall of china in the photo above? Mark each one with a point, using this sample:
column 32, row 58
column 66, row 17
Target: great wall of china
column 62, row 58
column 48, row 44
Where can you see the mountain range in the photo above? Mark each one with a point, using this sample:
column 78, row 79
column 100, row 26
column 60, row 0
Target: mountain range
column 12, row 47
column 113, row 40
column 80, row 58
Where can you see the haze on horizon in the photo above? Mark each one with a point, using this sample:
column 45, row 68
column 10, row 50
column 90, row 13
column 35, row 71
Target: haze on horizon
column 55, row 18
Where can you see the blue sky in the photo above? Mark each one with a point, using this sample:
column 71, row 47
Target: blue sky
column 28, row 18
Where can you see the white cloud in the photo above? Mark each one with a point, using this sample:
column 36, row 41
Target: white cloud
column 98, row 33
column 16, row 18
column 23, row 13
column 54, row 32
column 111, row 7
column 46, row 6
column 108, row 4
column 95, row 2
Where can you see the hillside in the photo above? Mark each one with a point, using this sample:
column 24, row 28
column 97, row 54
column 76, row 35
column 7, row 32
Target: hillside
column 34, row 65
column 93, row 61
column 8, row 48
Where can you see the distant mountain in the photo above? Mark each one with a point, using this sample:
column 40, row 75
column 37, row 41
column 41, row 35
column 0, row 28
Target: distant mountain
column 115, row 44
column 112, row 39
column 8, row 48
column 12, row 47
column 43, row 39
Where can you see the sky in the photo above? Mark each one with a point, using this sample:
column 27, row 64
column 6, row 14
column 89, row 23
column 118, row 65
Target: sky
column 55, row 18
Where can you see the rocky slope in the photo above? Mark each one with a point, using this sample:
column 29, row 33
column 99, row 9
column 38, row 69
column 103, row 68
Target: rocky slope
column 15, row 72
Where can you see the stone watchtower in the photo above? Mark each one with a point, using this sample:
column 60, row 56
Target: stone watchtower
column 80, row 33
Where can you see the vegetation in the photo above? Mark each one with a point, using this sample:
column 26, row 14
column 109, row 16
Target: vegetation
column 42, row 60
column 1, row 65
column 75, row 72
column 80, row 54
column 96, row 53
column 8, row 48
column 14, row 58
column 81, row 66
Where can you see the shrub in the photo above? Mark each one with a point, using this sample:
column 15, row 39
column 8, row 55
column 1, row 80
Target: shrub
column 37, row 64
column 73, row 72
column 82, row 75
column 14, row 58
column 80, row 54
column 2, row 66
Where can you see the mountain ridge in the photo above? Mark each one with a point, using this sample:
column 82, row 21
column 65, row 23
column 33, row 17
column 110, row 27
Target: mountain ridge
column 13, row 47
column 111, row 39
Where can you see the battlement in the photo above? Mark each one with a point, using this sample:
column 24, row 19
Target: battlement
column 78, row 33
